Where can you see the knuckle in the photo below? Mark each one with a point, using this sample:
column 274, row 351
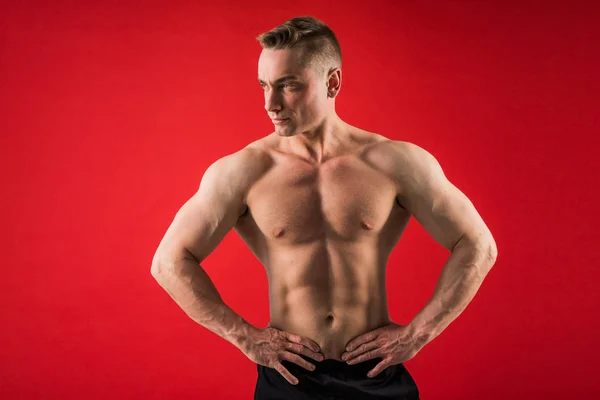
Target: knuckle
column 292, row 336
column 288, row 346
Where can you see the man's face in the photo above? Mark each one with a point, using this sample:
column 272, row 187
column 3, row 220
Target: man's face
column 301, row 97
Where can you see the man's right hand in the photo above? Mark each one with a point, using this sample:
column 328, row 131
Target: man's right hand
column 269, row 346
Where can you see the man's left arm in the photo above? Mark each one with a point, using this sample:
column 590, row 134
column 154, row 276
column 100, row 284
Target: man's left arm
column 452, row 220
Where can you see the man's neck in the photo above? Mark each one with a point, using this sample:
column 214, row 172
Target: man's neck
column 321, row 144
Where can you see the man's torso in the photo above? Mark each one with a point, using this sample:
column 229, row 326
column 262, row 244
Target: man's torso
column 324, row 233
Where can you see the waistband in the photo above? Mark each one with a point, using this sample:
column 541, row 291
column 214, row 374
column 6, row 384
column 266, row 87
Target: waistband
column 334, row 367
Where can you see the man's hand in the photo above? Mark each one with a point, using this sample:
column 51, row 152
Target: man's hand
column 394, row 343
column 269, row 346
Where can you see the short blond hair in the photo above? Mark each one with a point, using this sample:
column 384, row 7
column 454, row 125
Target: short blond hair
column 310, row 34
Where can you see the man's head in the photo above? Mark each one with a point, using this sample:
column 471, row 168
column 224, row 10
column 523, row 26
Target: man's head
column 309, row 50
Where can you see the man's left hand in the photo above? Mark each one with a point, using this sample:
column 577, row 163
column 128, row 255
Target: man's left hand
column 394, row 343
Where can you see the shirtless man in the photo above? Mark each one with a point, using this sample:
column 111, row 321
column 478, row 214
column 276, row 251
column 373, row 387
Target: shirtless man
column 322, row 204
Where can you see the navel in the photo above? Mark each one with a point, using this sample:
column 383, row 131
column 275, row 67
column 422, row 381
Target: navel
column 278, row 232
column 329, row 319
column 366, row 225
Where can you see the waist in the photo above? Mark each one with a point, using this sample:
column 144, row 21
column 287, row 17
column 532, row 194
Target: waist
column 334, row 368
column 328, row 323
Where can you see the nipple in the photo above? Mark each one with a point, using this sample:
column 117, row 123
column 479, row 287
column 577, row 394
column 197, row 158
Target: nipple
column 366, row 225
column 278, row 232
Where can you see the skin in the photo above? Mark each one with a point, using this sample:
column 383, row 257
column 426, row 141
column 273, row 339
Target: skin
column 321, row 204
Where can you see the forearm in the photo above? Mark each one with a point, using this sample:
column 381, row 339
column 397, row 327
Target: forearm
column 192, row 289
column 460, row 279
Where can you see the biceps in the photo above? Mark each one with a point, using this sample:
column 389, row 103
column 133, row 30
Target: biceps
column 198, row 227
column 446, row 213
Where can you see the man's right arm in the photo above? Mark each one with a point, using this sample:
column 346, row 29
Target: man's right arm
column 197, row 228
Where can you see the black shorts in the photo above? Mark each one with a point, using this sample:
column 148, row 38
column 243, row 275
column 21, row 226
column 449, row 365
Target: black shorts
column 335, row 380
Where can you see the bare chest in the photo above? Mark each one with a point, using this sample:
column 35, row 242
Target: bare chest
column 341, row 200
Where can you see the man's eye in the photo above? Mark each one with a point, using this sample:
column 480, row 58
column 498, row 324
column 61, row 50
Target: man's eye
column 282, row 86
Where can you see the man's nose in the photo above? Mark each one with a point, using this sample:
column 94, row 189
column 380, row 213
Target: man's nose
column 272, row 101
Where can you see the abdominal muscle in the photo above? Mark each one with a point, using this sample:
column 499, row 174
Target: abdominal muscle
column 330, row 293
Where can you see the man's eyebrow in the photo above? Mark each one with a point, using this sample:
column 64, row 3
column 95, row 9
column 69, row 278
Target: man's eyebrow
column 282, row 79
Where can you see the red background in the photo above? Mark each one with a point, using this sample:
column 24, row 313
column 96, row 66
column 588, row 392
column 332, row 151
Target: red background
column 111, row 111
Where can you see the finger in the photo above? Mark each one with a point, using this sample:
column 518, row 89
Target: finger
column 378, row 368
column 363, row 348
column 303, row 341
column 285, row 373
column 296, row 359
column 369, row 355
column 301, row 349
column 367, row 337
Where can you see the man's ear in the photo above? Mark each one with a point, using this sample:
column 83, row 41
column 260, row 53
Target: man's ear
column 334, row 81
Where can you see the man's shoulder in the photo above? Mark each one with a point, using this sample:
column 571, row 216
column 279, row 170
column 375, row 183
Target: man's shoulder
column 395, row 155
column 242, row 167
column 243, row 163
column 404, row 163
